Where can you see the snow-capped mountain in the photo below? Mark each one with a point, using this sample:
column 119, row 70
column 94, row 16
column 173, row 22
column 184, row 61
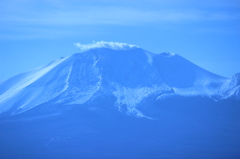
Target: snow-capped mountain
column 75, row 107
column 127, row 73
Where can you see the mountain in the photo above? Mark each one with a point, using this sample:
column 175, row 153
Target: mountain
column 128, row 75
column 120, row 102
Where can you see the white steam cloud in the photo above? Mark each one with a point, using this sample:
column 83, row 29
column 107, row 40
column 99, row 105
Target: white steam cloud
column 104, row 44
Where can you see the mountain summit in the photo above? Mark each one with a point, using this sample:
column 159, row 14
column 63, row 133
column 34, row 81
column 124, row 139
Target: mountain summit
column 126, row 73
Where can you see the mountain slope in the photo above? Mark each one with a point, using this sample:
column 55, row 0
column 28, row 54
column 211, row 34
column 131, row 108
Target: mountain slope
column 231, row 89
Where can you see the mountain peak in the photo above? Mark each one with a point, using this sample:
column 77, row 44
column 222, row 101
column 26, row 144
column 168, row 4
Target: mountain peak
column 104, row 44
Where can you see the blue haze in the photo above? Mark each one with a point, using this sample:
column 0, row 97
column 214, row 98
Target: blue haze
column 93, row 121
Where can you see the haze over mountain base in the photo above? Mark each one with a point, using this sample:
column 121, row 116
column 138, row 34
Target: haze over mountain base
column 196, row 128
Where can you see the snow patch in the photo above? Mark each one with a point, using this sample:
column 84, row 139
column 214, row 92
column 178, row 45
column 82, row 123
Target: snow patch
column 231, row 88
column 16, row 92
column 104, row 44
column 150, row 58
column 131, row 97
column 67, row 80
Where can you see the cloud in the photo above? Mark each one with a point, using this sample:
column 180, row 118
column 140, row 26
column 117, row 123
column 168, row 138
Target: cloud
column 47, row 17
column 104, row 44
column 107, row 15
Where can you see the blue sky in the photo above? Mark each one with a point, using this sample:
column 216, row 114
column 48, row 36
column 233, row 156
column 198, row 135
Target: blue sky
column 206, row 32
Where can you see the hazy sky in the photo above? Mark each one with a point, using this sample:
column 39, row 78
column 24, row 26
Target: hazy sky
column 35, row 32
